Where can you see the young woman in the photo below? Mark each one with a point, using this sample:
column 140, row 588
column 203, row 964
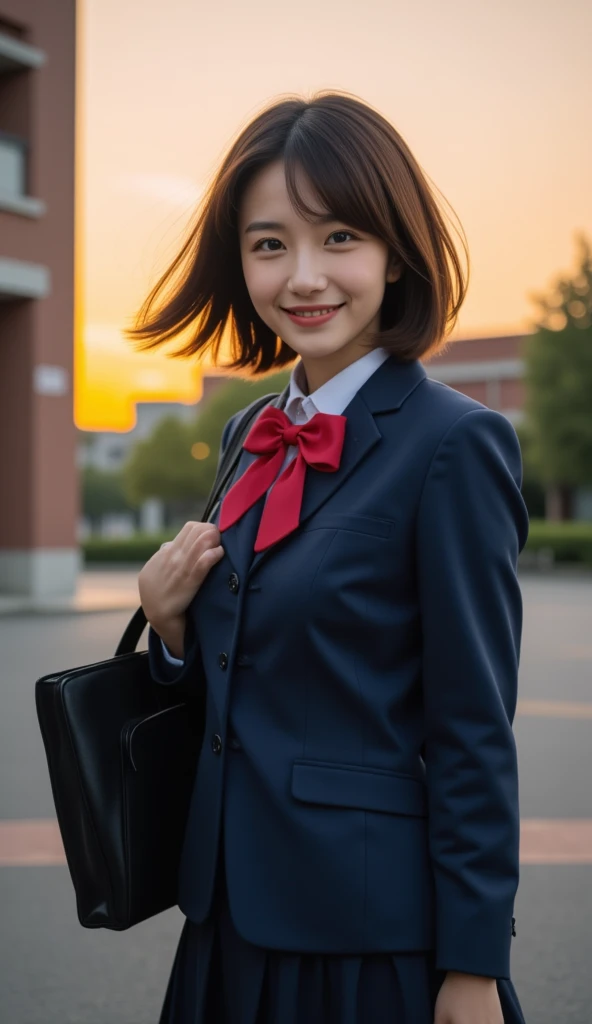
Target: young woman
column 353, row 612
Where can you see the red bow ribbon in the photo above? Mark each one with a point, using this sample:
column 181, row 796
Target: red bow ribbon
column 320, row 443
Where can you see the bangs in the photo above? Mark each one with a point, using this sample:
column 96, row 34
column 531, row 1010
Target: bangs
column 347, row 186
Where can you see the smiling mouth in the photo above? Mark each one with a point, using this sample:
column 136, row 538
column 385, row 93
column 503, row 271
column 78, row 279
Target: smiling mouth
column 312, row 311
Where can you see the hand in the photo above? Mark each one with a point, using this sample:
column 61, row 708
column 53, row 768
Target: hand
column 171, row 578
column 468, row 999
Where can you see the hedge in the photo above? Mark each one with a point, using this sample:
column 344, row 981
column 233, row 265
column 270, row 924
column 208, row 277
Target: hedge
column 138, row 548
column 549, row 541
column 561, row 542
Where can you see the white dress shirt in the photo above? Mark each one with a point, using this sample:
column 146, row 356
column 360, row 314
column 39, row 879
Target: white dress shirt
column 333, row 397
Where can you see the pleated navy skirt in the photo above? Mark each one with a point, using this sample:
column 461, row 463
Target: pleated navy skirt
column 219, row 978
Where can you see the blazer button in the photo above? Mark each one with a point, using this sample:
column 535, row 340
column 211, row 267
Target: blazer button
column 233, row 583
column 223, row 661
column 216, row 744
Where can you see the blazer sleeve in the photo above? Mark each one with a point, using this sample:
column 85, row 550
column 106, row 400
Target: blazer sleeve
column 162, row 670
column 472, row 524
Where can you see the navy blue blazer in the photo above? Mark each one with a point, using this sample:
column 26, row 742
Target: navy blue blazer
column 364, row 671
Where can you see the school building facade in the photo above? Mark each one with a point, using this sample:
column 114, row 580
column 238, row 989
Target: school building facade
column 38, row 486
column 490, row 370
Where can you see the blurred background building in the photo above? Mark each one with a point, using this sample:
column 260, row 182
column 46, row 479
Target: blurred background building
column 39, row 494
column 490, row 370
column 108, row 449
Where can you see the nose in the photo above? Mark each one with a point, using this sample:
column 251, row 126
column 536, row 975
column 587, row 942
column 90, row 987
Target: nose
column 306, row 277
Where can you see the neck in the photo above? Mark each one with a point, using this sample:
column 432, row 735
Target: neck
column 319, row 371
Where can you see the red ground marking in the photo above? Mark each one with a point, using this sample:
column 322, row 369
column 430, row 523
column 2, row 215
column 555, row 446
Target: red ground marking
column 542, row 841
column 556, row 841
column 33, row 842
column 555, row 708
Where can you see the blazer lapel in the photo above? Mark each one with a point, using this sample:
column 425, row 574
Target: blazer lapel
column 238, row 541
column 385, row 390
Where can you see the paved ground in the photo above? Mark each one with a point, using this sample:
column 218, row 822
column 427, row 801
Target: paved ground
column 99, row 589
column 52, row 971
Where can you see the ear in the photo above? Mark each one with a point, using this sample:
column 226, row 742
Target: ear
column 393, row 270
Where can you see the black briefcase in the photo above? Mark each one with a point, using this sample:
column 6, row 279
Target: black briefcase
column 121, row 751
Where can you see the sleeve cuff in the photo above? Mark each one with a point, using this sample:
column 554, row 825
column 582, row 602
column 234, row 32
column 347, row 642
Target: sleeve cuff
column 169, row 657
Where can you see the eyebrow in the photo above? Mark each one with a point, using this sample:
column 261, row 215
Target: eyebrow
column 275, row 225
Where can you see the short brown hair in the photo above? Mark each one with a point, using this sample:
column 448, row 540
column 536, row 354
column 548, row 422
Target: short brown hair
column 363, row 172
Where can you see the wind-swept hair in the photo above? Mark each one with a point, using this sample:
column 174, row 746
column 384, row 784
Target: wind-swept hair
column 364, row 173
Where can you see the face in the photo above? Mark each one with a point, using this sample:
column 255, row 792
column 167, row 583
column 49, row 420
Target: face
column 318, row 286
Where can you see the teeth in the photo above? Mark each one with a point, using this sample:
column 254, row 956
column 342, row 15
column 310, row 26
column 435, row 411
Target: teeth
column 316, row 312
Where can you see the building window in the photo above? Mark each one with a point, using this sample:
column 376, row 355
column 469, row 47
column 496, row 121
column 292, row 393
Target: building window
column 17, row 60
column 13, row 165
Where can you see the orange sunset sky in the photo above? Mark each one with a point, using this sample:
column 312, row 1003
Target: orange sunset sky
column 492, row 98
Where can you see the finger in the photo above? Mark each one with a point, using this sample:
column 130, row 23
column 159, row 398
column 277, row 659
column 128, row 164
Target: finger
column 197, row 531
column 209, row 558
column 187, row 530
column 210, row 530
column 189, row 524
column 202, row 542
column 199, row 527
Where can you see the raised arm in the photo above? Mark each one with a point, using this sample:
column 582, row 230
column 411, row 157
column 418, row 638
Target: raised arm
column 168, row 583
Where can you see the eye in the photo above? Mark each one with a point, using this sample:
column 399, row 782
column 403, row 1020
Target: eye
column 264, row 241
column 341, row 239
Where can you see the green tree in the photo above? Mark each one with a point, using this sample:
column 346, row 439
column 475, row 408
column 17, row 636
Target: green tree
column 224, row 403
column 533, row 491
column 177, row 463
column 163, row 466
column 559, row 385
column 102, row 492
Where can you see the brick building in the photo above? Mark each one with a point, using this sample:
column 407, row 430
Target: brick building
column 490, row 370
column 39, row 504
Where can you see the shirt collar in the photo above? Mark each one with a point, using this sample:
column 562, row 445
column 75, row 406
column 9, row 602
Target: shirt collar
column 334, row 396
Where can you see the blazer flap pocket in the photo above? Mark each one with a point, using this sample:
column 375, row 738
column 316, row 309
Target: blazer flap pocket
column 369, row 789
column 351, row 521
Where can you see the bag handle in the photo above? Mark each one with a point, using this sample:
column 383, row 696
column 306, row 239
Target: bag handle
column 228, row 463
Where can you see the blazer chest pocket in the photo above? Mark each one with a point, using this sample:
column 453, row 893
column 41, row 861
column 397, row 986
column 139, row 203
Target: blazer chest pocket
column 369, row 525
column 356, row 786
